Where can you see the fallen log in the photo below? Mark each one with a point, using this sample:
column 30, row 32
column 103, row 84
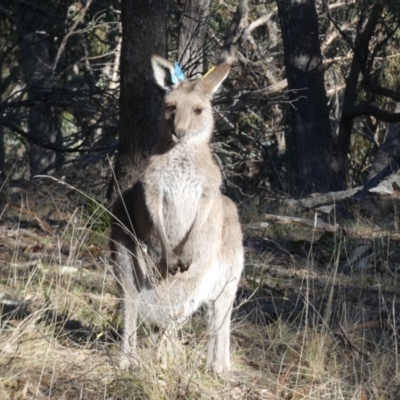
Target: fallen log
column 315, row 201
column 325, row 227
column 382, row 184
column 315, row 224
column 256, row 226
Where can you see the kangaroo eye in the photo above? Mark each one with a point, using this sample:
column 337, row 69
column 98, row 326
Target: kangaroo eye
column 170, row 108
column 198, row 111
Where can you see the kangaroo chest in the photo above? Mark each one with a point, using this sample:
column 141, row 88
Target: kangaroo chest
column 179, row 185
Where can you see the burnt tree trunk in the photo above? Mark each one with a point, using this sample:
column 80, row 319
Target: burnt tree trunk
column 310, row 113
column 389, row 150
column 42, row 123
column 144, row 33
column 361, row 50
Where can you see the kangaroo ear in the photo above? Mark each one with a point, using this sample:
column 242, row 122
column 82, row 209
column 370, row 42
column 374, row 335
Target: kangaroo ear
column 165, row 73
column 213, row 79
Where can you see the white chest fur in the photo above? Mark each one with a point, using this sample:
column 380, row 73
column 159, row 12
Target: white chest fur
column 179, row 186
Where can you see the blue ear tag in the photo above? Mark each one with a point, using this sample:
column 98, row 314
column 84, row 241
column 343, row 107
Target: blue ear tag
column 173, row 79
column 178, row 72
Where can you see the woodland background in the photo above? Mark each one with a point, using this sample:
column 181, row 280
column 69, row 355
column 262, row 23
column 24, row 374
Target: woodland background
column 310, row 105
column 307, row 135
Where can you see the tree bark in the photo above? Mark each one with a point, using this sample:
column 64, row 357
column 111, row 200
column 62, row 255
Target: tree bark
column 192, row 36
column 389, row 150
column 2, row 146
column 44, row 125
column 361, row 51
column 310, row 113
column 144, row 33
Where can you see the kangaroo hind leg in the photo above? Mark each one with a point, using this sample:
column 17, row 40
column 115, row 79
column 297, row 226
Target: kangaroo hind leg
column 126, row 267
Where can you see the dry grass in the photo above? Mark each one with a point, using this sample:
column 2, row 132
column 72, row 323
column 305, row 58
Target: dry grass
column 308, row 323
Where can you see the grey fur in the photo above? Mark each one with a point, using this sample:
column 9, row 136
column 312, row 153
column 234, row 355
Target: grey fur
column 176, row 239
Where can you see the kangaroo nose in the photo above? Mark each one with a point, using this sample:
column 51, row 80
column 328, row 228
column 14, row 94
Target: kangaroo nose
column 179, row 134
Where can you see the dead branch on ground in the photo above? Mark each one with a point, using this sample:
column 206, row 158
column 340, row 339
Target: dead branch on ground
column 319, row 226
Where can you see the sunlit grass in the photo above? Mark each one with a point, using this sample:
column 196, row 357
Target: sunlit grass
column 297, row 331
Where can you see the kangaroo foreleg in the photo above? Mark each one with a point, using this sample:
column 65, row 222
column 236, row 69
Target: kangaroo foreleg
column 188, row 251
column 169, row 260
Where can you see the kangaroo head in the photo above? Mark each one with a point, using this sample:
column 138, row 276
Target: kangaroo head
column 188, row 112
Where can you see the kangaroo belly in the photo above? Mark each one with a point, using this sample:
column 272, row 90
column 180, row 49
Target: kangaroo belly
column 181, row 190
column 179, row 212
column 177, row 297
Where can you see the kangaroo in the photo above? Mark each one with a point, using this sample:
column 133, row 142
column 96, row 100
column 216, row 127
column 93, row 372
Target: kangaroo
column 176, row 240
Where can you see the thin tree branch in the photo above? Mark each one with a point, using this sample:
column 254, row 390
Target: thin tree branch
column 228, row 48
column 339, row 29
column 255, row 24
column 78, row 20
column 372, row 110
column 381, row 90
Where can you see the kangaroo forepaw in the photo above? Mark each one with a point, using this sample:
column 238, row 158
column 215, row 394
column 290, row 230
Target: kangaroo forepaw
column 178, row 263
column 173, row 269
column 184, row 265
column 171, row 263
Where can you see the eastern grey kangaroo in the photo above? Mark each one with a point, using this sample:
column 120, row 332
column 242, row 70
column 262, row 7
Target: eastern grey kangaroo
column 176, row 240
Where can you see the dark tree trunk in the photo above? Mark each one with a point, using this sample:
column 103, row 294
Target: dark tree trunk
column 42, row 123
column 2, row 147
column 310, row 113
column 360, row 57
column 192, row 36
column 144, row 33
column 2, row 153
column 389, row 150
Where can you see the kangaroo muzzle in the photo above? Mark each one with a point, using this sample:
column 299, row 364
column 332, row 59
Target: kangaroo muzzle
column 178, row 135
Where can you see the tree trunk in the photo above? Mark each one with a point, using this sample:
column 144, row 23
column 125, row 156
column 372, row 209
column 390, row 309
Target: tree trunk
column 192, row 36
column 43, row 124
column 144, row 33
column 310, row 113
column 2, row 153
column 361, row 51
column 2, row 147
column 389, row 150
